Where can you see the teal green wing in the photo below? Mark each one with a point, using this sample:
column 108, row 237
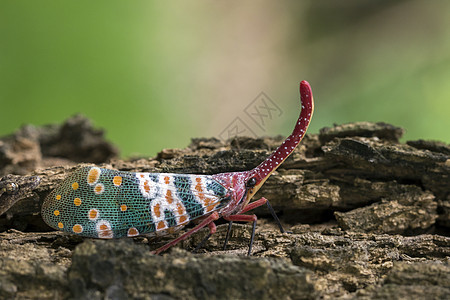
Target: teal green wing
column 105, row 203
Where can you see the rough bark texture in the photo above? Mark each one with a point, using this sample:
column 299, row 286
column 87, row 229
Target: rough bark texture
column 369, row 218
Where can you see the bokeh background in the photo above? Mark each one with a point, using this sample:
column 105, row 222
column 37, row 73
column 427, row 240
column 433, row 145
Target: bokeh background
column 156, row 73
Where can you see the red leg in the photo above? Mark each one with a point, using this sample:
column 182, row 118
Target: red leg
column 207, row 221
column 254, row 205
column 241, row 218
column 248, row 207
column 212, row 228
column 251, row 218
column 244, row 218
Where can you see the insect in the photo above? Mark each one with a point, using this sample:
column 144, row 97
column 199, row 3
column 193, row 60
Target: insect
column 104, row 203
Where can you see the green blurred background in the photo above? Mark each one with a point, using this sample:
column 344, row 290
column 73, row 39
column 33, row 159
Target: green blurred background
column 155, row 73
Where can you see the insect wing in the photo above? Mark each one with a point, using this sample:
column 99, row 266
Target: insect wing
column 85, row 203
column 176, row 199
column 105, row 203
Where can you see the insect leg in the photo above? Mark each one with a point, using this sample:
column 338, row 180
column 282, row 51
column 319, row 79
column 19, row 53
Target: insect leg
column 245, row 218
column 274, row 215
column 212, row 230
column 211, row 218
column 254, row 205
column 230, row 224
column 251, row 218
column 250, row 206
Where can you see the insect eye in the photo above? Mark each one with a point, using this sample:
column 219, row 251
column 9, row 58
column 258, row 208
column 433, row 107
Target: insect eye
column 251, row 182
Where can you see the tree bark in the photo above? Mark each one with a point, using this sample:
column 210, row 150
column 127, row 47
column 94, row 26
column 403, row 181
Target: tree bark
column 369, row 217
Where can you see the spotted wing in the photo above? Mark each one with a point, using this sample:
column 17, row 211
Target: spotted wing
column 105, row 203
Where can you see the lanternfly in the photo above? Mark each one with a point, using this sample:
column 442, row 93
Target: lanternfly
column 103, row 203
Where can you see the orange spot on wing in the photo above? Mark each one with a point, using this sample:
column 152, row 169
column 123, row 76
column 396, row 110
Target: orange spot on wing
column 105, row 232
column 60, row 225
column 206, row 201
column 146, row 186
column 132, row 232
column 161, row 225
column 180, row 209
column 199, row 188
column 58, row 197
column 75, row 185
column 169, row 197
column 211, row 207
column 166, row 179
column 123, row 207
column 77, row 228
column 117, row 180
column 93, row 175
column 93, row 214
column 77, row 201
column 157, row 210
column 56, row 212
column 99, row 188
column 183, row 219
